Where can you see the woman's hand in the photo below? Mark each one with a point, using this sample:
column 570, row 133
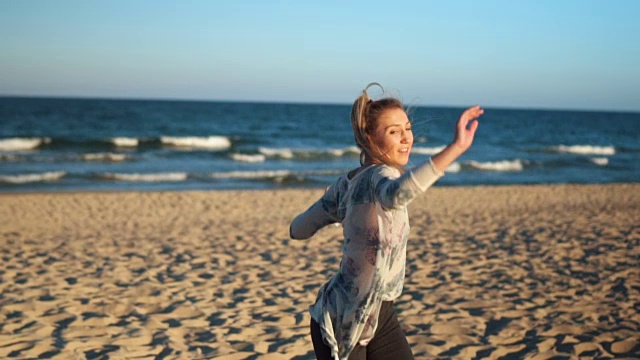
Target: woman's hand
column 466, row 127
column 462, row 140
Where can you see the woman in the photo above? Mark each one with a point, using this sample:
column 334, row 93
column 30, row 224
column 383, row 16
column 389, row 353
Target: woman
column 353, row 317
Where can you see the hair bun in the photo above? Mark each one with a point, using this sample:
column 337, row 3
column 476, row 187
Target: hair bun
column 373, row 84
column 366, row 96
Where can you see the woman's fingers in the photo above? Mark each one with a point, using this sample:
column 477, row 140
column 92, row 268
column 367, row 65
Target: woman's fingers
column 473, row 127
column 470, row 114
column 474, row 112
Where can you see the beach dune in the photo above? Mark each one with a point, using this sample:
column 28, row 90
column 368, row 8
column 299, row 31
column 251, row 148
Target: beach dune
column 531, row 272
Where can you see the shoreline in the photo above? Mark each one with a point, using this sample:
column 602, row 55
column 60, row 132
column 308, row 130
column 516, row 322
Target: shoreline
column 523, row 271
column 312, row 188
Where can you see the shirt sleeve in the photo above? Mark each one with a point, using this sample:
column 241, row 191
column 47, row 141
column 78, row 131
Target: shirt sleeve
column 322, row 213
column 393, row 190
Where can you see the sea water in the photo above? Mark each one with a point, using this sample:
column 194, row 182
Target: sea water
column 54, row 144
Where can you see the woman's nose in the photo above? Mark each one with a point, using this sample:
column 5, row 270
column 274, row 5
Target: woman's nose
column 405, row 137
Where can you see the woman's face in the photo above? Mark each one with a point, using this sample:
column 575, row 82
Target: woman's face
column 393, row 135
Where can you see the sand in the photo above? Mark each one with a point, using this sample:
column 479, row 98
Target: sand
column 515, row 272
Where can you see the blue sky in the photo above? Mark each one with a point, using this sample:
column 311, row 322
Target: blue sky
column 527, row 54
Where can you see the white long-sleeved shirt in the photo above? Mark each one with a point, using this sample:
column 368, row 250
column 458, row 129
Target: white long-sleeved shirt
column 373, row 213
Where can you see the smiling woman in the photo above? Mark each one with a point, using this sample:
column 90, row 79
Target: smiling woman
column 353, row 316
column 376, row 127
column 394, row 136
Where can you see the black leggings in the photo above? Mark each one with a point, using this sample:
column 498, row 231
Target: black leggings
column 389, row 342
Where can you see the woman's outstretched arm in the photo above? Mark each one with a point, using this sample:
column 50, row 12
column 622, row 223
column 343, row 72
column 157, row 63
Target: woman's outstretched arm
column 397, row 192
column 322, row 213
column 309, row 222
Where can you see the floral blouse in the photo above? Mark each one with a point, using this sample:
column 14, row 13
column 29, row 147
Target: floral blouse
column 373, row 213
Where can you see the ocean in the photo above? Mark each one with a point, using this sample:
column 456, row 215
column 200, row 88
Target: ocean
column 59, row 144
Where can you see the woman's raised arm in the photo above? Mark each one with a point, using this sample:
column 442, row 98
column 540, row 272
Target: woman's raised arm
column 463, row 138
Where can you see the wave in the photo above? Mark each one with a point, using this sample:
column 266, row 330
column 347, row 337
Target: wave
column 288, row 153
column 351, row 150
column 504, row 165
column 100, row 157
column 585, row 149
column 30, row 178
column 272, row 174
column 259, row 174
column 153, row 177
column 427, row 150
column 210, row 142
column 248, row 157
column 17, row 144
column 281, row 153
column 454, row 168
column 602, row 161
column 107, row 157
column 125, row 141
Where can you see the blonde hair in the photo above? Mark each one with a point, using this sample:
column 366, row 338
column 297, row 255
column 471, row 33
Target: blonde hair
column 364, row 121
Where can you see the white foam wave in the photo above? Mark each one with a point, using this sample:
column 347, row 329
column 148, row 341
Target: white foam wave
column 112, row 157
column 585, row 149
column 271, row 174
column 154, row 177
column 260, row 174
column 345, row 151
column 602, row 161
column 17, row 144
column 125, row 141
column 427, row 150
column 453, row 168
column 210, row 142
column 505, row 165
column 29, row 178
column 248, row 158
column 285, row 153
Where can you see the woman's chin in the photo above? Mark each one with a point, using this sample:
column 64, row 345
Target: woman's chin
column 403, row 159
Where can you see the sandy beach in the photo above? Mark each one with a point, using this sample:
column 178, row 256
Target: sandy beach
column 512, row 272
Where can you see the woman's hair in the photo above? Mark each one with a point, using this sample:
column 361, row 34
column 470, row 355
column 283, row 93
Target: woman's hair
column 364, row 120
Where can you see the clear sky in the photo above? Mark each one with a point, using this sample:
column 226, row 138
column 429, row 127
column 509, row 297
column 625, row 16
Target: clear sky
column 571, row 54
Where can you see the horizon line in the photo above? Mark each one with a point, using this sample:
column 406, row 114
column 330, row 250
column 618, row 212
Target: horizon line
column 294, row 102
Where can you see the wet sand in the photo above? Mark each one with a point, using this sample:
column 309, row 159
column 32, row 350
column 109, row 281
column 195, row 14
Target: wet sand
column 513, row 272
